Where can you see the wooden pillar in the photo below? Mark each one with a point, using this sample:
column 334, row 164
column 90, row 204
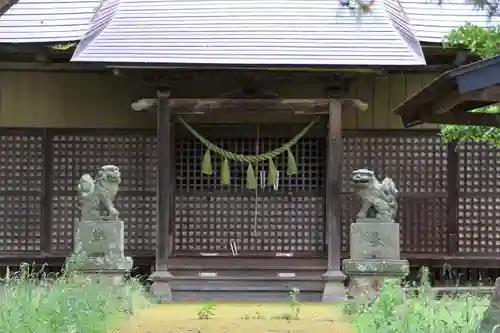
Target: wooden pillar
column 452, row 201
column 47, row 196
column 162, row 277
column 334, row 278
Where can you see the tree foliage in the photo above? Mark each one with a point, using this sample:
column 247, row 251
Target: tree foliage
column 491, row 6
column 485, row 42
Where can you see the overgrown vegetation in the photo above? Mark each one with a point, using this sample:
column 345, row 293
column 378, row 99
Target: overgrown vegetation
column 417, row 310
column 37, row 302
column 392, row 312
column 485, row 42
column 421, row 312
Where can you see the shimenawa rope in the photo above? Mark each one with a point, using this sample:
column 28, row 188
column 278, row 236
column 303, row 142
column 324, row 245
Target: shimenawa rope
column 249, row 159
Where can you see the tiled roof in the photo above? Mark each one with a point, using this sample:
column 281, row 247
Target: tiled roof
column 68, row 20
column 270, row 32
column 324, row 30
column 47, row 20
column 431, row 21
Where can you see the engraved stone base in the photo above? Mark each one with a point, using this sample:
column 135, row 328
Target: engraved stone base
column 375, row 258
column 334, row 286
column 491, row 317
column 371, row 238
column 99, row 248
column 368, row 276
column 112, row 277
column 161, row 286
column 373, row 267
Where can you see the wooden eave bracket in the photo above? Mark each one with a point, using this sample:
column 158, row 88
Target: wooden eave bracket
column 356, row 103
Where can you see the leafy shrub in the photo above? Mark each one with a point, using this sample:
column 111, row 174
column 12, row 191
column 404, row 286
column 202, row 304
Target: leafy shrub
column 420, row 312
column 35, row 302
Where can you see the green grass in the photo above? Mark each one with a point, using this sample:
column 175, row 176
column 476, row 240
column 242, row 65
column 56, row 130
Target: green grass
column 420, row 313
column 37, row 303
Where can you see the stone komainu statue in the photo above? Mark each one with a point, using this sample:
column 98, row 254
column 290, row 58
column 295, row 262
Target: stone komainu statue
column 97, row 196
column 378, row 199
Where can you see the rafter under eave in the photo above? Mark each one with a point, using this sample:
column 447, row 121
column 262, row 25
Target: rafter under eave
column 449, row 98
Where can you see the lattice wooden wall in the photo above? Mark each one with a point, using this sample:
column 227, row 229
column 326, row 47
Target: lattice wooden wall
column 209, row 215
column 135, row 155
column 417, row 163
column 21, row 190
column 479, row 199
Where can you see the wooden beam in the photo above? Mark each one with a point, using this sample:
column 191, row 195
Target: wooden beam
column 489, row 94
column 164, row 207
column 308, row 69
column 52, row 67
column 188, row 105
column 333, row 183
column 334, row 286
column 442, row 111
column 185, row 106
column 462, row 118
column 448, row 102
column 250, row 117
column 161, row 277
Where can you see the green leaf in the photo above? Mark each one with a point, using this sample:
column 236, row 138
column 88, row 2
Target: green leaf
column 461, row 133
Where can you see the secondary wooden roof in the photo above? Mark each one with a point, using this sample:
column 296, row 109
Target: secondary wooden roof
column 450, row 98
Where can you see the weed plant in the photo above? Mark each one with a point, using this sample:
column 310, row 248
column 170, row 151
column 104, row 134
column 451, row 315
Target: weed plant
column 35, row 302
column 420, row 311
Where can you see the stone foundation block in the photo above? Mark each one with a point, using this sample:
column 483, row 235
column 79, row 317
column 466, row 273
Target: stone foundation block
column 334, row 289
column 160, row 289
column 99, row 247
column 372, row 239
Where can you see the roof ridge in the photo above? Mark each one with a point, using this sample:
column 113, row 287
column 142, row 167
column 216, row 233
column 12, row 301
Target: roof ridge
column 5, row 5
column 402, row 24
column 103, row 15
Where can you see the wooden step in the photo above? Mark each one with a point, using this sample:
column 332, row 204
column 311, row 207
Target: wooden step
column 255, row 288
column 243, row 272
column 242, row 278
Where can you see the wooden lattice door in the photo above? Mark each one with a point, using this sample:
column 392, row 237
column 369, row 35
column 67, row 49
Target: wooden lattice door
column 230, row 219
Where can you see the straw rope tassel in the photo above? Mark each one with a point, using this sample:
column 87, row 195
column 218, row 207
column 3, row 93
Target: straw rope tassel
column 272, row 172
column 251, row 179
column 225, row 175
column 291, row 165
column 207, row 163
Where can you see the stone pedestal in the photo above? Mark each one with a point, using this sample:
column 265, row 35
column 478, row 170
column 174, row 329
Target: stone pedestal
column 491, row 317
column 334, row 290
column 161, row 286
column 374, row 257
column 99, row 251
